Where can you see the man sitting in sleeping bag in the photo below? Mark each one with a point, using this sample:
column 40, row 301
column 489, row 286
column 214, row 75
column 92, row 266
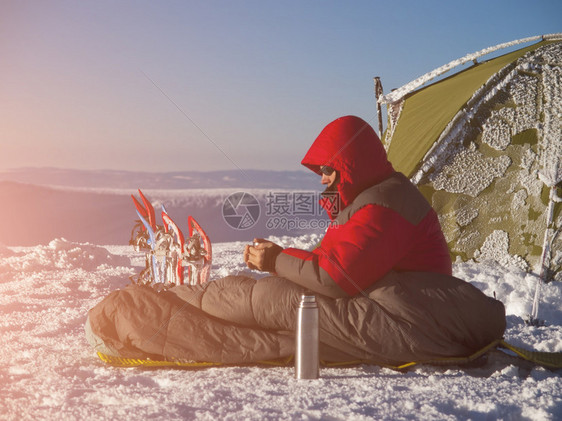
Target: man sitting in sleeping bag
column 382, row 277
column 381, row 223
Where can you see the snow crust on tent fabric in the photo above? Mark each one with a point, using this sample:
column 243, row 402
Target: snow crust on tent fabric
column 470, row 172
column 401, row 92
column 495, row 247
column 553, row 129
column 426, row 112
column 501, row 157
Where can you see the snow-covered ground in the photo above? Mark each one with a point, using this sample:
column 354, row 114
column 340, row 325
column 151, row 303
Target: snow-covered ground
column 48, row 371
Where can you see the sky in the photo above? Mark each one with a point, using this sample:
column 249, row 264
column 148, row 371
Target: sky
column 212, row 85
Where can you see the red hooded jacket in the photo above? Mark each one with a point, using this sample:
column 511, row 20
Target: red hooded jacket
column 384, row 224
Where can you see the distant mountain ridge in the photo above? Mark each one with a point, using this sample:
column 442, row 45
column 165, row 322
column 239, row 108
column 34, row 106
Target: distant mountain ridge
column 267, row 179
column 96, row 206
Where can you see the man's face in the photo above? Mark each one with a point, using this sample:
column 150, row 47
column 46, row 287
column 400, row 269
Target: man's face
column 329, row 180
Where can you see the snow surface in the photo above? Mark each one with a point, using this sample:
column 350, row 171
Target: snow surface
column 48, row 371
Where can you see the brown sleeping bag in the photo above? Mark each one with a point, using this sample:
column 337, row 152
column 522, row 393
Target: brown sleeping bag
column 403, row 317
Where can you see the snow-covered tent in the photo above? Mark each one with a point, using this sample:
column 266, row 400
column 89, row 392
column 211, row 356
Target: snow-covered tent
column 485, row 147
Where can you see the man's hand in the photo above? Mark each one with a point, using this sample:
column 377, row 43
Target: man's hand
column 262, row 255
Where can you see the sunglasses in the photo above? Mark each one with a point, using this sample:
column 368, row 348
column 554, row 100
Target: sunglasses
column 326, row 170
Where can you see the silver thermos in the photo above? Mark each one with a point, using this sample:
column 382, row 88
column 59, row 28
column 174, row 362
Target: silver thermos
column 306, row 349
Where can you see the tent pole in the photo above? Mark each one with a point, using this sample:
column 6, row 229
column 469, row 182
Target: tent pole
column 545, row 260
column 378, row 95
column 545, row 257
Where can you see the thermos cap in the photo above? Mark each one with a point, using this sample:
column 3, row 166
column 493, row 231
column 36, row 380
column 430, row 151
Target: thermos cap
column 306, row 344
column 308, row 301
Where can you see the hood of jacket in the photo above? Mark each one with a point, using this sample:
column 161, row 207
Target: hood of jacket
column 350, row 146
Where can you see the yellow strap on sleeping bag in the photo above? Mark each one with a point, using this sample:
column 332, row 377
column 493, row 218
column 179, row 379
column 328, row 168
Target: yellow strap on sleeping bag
column 140, row 362
column 545, row 359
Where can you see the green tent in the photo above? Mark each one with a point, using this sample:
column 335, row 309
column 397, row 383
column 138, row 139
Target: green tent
column 484, row 146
